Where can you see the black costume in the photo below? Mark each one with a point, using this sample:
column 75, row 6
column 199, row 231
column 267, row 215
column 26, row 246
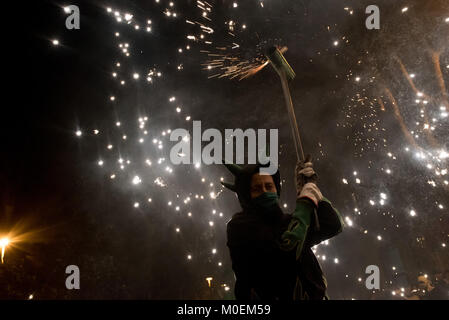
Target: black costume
column 264, row 267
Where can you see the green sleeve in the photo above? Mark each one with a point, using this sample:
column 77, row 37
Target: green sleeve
column 295, row 235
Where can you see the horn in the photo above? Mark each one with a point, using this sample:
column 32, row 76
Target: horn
column 235, row 169
column 229, row 186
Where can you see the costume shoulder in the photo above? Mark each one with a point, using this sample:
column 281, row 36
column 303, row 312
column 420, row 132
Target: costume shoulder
column 248, row 229
column 243, row 220
column 237, row 227
column 237, row 219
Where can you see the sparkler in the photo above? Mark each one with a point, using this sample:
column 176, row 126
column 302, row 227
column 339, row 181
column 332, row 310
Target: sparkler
column 209, row 279
column 3, row 244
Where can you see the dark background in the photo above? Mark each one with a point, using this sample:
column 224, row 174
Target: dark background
column 51, row 185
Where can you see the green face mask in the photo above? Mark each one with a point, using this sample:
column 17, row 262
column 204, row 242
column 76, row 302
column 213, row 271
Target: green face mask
column 266, row 200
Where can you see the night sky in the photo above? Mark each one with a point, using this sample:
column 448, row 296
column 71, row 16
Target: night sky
column 371, row 107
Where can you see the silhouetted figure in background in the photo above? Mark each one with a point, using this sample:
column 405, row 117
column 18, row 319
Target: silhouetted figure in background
column 430, row 291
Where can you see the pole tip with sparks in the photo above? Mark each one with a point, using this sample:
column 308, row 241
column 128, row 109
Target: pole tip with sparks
column 279, row 63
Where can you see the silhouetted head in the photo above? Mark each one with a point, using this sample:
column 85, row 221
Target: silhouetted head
column 254, row 189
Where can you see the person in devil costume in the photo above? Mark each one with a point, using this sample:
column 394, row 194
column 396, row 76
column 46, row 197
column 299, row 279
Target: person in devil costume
column 271, row 251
